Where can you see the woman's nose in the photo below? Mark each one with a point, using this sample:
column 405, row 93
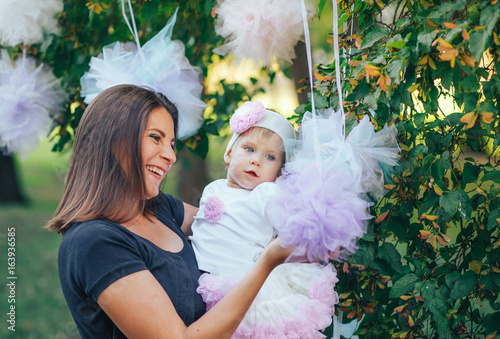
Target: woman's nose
column 168, row 154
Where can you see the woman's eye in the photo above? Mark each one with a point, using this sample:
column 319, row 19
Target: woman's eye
column 249, row 149
column 155, row 137
column 270, row 157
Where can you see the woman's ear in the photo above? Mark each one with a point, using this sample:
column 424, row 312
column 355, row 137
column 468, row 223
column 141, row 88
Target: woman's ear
column 227, row 156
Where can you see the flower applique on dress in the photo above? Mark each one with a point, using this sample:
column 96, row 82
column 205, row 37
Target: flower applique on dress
column 214, row 208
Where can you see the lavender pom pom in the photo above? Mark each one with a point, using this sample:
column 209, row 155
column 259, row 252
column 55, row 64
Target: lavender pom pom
column 29, row 97
column 318, row 212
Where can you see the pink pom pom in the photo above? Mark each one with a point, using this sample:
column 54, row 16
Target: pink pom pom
column 246, row 116
column 261, row 30
column 214, row 208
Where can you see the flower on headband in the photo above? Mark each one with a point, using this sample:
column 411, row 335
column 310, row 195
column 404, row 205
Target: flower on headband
column 246, row 116
column 214, row 208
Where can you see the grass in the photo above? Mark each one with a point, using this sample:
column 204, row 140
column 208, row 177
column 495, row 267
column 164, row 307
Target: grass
column 41, row 310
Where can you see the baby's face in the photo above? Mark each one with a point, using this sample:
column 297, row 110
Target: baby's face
column 253, row 160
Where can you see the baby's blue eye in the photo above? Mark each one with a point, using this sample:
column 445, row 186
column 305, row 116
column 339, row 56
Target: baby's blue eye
column 249, row 149
column 270, row 157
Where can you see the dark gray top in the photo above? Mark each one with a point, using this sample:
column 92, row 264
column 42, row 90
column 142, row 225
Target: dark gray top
column 96, row 253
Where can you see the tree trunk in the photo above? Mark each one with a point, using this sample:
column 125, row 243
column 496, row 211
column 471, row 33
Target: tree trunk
column 300, row 71
column 9, row 188
column 192, row 177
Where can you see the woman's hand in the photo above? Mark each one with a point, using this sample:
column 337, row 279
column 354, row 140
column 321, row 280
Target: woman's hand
column 275, row 254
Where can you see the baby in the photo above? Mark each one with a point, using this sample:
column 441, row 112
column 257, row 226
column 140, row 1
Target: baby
column 232, row 227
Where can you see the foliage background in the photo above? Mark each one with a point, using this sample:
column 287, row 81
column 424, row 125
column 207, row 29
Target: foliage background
column 430, row 264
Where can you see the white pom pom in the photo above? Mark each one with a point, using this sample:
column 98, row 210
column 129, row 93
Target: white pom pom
column 161, row 65
column 25, row 21
column 30, row 95
column 262, row 30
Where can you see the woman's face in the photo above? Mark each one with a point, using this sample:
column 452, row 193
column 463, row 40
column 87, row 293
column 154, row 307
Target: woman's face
column 158, row 146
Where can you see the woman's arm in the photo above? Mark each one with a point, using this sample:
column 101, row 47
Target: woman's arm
column 189, row 213
column 139, row 306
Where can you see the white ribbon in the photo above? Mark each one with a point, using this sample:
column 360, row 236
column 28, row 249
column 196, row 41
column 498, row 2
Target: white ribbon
column 310, row 67
column 133, row 27
column 337, row 321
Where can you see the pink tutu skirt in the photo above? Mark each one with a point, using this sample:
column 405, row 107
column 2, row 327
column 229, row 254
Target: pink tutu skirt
column 296, row 301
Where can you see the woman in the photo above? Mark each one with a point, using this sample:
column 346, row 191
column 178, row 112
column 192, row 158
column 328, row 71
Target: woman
column 125, row 266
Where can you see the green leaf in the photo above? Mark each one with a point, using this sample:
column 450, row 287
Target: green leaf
column 491, row 322
column 493, row 175
column 321, row 5
column 396, row 42
column 489, row 18
column 463, row 285
column 404, row 285
column 359, row 92
column 436, row 305
column 394, row 68
column 390, row 254
column 477, row 43
column 451, row 279
column 469, row 173
column 370, row 101
column 418, row 150
column 445, row 10
column 453, row 201
column 369, row 256
column 470, row 84
column 428, row 289
column 402, row 22
column 425, row 40
column 374, row 36
column 492, row 219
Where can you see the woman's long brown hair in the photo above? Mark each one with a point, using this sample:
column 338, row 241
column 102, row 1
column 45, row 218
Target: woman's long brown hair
column 106, row 176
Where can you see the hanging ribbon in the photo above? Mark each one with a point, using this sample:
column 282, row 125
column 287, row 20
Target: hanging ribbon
column 310, row 67
column 133, row 28
column 311, row 79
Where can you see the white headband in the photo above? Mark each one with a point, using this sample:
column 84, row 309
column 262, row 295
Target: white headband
column 255, row 114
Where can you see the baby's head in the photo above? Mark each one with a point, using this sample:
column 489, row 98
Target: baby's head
column 256, row 151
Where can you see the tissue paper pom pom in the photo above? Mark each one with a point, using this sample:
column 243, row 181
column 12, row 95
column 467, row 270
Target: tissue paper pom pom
column 246, row 116
column 161, row 65
column 373, row 150
column 318, row 212
column 262, row 30
column 30, row 95
column 25, row 21
column 321, row 204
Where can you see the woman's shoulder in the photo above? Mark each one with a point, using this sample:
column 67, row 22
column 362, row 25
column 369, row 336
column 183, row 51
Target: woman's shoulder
column 86, row 233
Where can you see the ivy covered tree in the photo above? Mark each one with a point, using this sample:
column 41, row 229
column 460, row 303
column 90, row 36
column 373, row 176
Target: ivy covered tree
column 429, row 265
